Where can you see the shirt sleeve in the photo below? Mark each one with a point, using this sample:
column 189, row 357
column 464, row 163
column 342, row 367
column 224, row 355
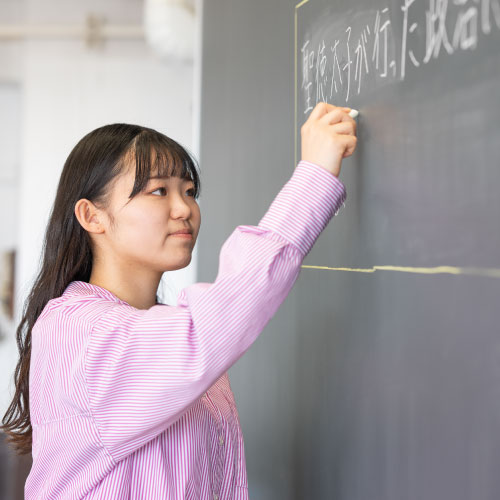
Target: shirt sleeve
column 145, row 368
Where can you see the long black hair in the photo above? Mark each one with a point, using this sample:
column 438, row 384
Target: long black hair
column 89, row 172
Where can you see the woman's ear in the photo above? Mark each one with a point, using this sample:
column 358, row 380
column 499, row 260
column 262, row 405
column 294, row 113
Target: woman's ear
column 89, row 216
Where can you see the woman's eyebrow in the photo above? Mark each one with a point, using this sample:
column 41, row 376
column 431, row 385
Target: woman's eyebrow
column 160, row 176
column 184, row 179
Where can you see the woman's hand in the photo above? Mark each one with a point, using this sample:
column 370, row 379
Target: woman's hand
column 328, row 136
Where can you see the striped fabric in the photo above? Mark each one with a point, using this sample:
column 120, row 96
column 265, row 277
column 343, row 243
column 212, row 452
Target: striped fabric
column 136, row 404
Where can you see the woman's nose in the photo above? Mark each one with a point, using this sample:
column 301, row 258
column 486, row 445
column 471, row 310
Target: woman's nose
column 180, row 207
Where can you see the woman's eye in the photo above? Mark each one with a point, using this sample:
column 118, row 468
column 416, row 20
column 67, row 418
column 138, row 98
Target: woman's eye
column 191, row 191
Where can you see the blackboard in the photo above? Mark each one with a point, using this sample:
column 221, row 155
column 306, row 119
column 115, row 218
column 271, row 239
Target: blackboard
column 379, row 377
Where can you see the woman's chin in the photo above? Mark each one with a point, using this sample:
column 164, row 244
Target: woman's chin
column 179, row 264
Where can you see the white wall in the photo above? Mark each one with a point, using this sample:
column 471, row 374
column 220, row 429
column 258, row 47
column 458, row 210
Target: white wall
column 67, row 91
column 11, row 55
column 10, row 142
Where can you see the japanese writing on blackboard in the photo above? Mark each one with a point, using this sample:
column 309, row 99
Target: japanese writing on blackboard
column 337, row 70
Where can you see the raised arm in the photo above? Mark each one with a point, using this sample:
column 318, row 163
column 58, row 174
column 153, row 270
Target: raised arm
column 145, row 368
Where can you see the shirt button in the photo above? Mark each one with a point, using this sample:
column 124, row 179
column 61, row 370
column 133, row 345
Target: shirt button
column 216, row 497
column 221, row 440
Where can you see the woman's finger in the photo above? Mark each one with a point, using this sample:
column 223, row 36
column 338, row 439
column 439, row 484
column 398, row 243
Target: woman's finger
column 335, row 116
column 344, row 128
column 322, row 108
column 319, row 110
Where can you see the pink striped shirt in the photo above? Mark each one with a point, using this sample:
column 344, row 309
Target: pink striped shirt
column 136, row 404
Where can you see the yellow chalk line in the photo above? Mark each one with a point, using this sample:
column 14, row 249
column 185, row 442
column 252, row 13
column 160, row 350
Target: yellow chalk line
column 295, row 82
column 301, row 4
column 474, row 271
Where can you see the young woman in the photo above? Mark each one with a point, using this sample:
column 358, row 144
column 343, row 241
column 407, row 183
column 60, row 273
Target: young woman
column 119, row 396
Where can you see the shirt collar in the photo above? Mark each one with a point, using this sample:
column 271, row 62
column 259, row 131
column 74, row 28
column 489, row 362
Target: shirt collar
column 84, row 288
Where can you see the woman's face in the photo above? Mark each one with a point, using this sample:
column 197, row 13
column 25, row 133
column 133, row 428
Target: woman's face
column 141, row 231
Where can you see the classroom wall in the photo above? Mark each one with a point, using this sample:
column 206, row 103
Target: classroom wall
column 12, row 11
column 11, row 54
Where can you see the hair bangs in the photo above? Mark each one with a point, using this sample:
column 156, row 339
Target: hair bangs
column 157, row 155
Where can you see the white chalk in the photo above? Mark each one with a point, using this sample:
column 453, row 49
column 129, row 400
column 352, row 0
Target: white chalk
column 353, row 113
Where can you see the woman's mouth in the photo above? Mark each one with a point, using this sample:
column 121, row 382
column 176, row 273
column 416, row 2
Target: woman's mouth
column 186, row 236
